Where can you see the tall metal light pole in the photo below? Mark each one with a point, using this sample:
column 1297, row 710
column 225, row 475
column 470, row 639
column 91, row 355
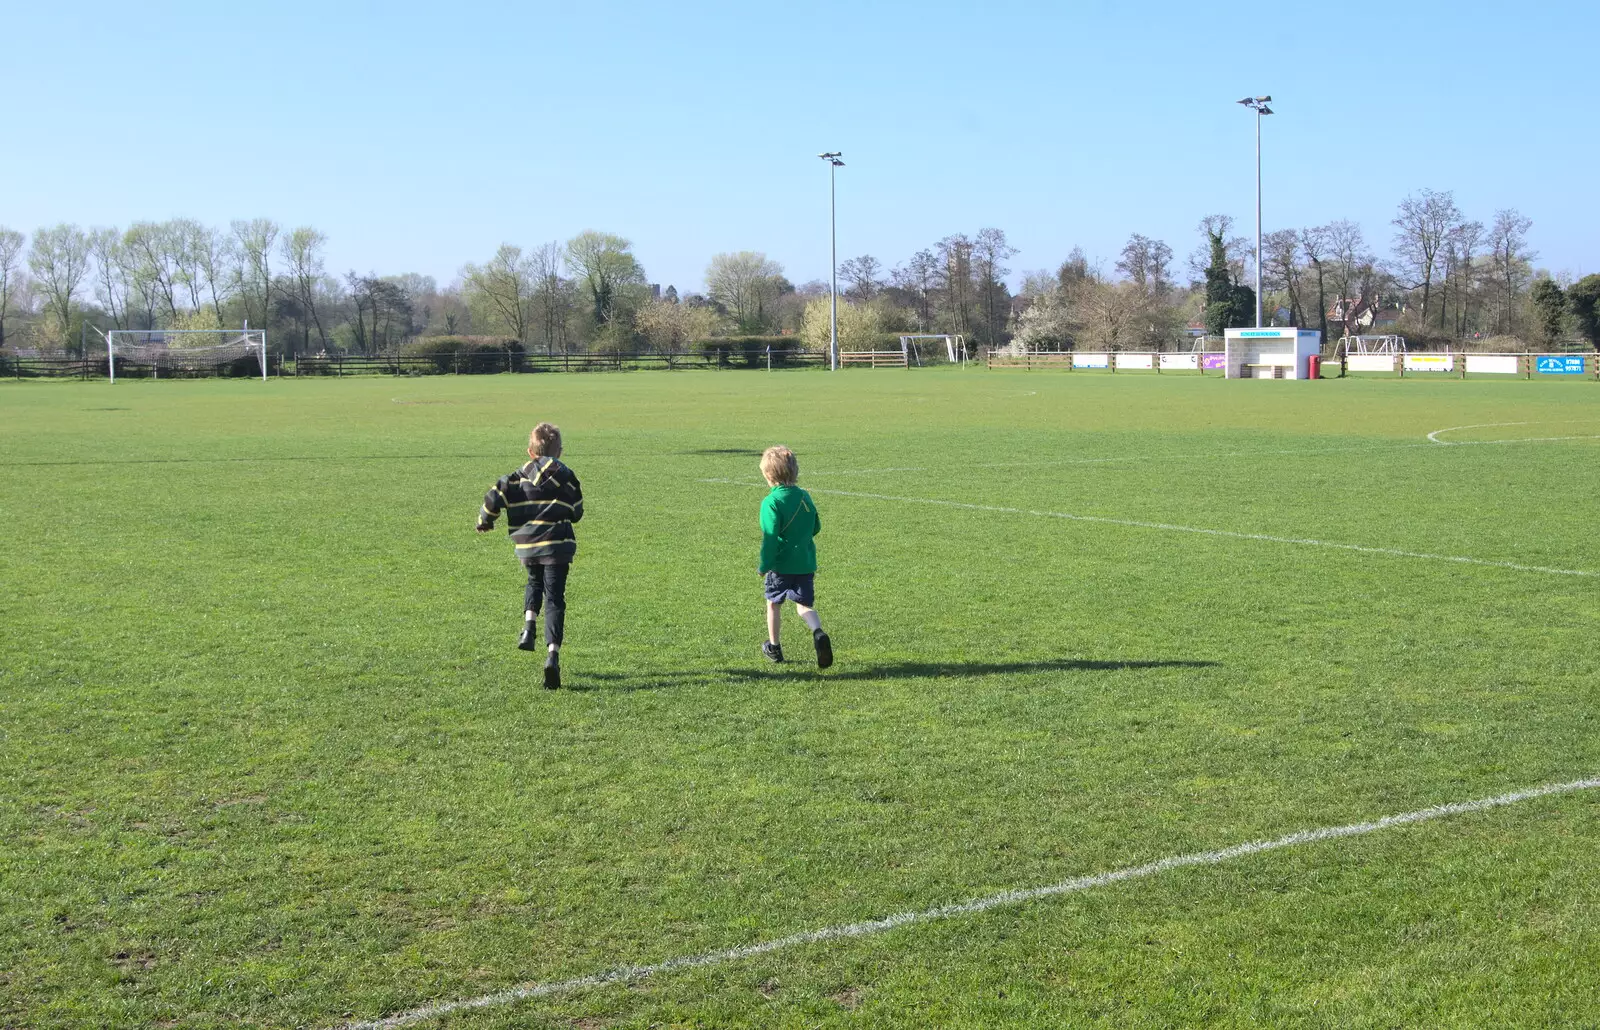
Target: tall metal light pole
column 1259, row 106
column 833, row 264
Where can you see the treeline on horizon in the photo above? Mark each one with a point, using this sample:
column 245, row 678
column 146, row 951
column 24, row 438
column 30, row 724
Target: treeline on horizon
column 1445, row 281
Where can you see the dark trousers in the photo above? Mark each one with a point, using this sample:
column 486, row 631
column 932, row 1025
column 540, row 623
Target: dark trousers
column 547, row 589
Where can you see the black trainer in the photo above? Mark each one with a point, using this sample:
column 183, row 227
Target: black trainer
column 552, row 671
column 772, row 651
column 824, row 648
column 529, row 641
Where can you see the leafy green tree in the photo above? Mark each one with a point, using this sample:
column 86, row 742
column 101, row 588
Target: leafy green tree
column 1219, row 285
column 1550, row 309
column 1583, row 298
column 59, row 259
column 745, row 284
column 1241, row 306
column 604, row 263
column 11, row 243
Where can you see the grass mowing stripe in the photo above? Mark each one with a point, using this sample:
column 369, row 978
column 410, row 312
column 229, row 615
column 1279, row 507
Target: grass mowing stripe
column 1145, row 457
column 624, row 974
column 1232, row 534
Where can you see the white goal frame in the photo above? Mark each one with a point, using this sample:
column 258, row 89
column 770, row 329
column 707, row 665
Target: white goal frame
column 955, row 345
column 250, row 339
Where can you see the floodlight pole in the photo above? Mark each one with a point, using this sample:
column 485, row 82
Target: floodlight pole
column 1258, row 218
column 833, row 258
column 1259, row 106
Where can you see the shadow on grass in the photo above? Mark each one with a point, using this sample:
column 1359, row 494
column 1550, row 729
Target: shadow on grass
column 956, row 670
column 624, row 681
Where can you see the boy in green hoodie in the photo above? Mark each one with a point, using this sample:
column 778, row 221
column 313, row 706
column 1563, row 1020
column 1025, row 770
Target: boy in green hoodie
column 789, row 520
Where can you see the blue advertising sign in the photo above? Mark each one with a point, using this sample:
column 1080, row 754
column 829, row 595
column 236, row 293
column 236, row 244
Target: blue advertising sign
column 1560, row 364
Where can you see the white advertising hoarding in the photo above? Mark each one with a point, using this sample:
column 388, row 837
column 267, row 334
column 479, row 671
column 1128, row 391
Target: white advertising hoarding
column 1369, row 362
column 1091, row 360
column 1185, row 361
column 1494, row 364
column 1430, row 362
column 1136, row 361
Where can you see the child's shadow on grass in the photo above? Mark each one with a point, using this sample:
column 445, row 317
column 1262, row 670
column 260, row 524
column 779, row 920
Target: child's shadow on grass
column 958, row 670
column 624, row 681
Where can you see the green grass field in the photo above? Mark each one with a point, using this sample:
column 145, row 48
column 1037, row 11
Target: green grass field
column 269, row 758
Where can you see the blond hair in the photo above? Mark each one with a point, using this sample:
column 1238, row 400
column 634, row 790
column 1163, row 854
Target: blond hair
column 545, row 440
column 780, row 466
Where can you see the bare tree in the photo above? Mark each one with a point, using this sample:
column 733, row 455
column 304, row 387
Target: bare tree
column 990, row 251
column 1111, row 313
column 184, row 241
column 1147, row 264
column 252, row 272
column 58, row 260
column 744, row 284
column 380, row 313
column 919, row 277
column 212, row 252
column 1422, row 225
column 865, row 276
column 552, row 296
column 505, row 285
column 11, row 243
column 1348, row 256
column 1315, row 243
column 1512, row 264
column 1280, row 267
column 955, row 281
column 112, row 282
column 1460, row 274
column 302, row 252
column 153, row 248
column 1236, row 250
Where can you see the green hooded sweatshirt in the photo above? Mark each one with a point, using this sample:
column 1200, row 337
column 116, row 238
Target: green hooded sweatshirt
column 788, row 522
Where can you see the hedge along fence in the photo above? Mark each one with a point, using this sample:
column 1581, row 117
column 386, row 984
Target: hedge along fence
column 97, row 367
column 752, row 351
column 472, row 354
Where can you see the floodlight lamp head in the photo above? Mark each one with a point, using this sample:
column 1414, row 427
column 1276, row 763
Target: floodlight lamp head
column 1264, row 109
column 830, row 155
column 1248, row 101
column 1264, row 100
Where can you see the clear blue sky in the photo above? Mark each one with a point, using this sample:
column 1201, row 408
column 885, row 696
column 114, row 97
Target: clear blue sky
column 420, row 136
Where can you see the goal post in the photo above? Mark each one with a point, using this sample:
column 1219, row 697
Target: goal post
column 179, row 350
column 955, row 345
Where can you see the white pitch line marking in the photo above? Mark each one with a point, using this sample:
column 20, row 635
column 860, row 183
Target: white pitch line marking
column 625, row 974
column 1434, row 436
column 1171, row 528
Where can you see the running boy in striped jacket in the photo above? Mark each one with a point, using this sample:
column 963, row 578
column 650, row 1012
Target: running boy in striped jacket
column 541, row 501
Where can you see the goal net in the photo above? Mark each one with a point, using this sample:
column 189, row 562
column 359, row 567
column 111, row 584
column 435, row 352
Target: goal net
column 175, row 352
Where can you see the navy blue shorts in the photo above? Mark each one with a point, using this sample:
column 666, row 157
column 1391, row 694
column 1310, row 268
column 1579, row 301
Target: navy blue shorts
column 798, row 588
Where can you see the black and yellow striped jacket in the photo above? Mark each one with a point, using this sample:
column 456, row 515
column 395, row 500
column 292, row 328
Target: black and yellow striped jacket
column 541, row 501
